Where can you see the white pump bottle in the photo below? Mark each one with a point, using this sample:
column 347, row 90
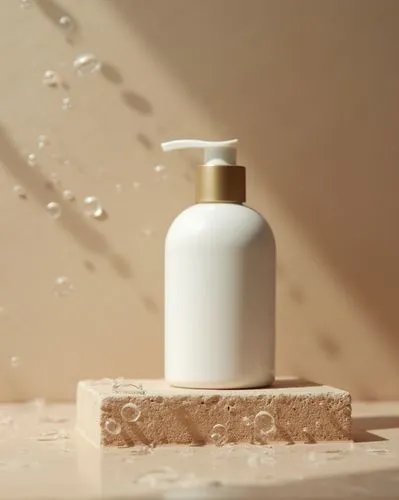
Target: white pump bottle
column 219, row 281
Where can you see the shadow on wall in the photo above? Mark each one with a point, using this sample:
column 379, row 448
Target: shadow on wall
column 40, row 190
column 318, row 116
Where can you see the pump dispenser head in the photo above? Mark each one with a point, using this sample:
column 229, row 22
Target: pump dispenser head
column 219, row 179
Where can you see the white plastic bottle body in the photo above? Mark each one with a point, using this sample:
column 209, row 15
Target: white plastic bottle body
column 219, row 298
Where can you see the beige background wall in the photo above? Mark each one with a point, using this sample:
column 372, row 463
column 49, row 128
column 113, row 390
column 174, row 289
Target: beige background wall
column 311, row 90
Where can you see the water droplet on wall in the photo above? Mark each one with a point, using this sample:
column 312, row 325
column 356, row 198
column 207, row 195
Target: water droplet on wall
column 66, row 23
column 15, row 361
column 66, row 103
column 92, row 207
column 159, row 168
column 85, row 64
column 51, row 78
column 264, row 422
column 42, row 141
column 54, row 209
column 112, row 427
column 247, row 421
column 31, row 160
column 218, row 434
column 68, row 195
column 26, row 4
column 19, row 191
column 130, row 412
column 62, row 286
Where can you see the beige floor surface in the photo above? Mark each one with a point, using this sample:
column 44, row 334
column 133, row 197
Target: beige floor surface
column 41, row 458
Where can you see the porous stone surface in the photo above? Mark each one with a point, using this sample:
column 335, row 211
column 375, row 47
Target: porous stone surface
column 297, row 411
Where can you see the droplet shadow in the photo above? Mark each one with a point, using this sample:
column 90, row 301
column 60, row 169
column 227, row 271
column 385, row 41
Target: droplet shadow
column 71, row 221
column 111, row 73
column 145, row 141
column 137, row 102
column 53, row 11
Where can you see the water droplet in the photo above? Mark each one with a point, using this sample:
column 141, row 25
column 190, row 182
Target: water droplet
column 219, row 434
column 158, row 477
column 26, row 4
column 130, row 412
column 136, row 185
column 259, row 459
column 118, row 188
column 42, row 141
column 318, row 423
column 54, row 179
column 68, row 195
column 85, row 64
column 19, row 191
column 62, row 286
column 54, row 209
column 92, row 207
column 305, row 430
column 147, row 232
column 15, row 362
column 31, row 160
column 66, row 103
column 264, row 422
column 51, row 78
column 112, row 427
column 378, row 451
column 159, row 168
column 66, row 23
column 248, row 421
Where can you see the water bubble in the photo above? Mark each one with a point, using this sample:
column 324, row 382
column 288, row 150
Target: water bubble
column 66, row 103
column 19, row 191
column 26, row 4
column 15, row 361
column 218, row 434
column 68, row 195
column 248, row 421
column 85, row 64
column 50, row 78
column 54, row 209
column 112, row 427
column 62, row 286
column 92, row 207
column 264, row 422
column 66, row 23
column 130, row 412
column 31, row 160
column 42, row 141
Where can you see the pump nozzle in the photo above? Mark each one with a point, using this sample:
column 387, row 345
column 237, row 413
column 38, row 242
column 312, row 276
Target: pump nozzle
column 216, row 152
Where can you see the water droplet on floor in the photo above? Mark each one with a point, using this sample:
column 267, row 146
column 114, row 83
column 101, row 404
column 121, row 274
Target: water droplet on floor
column 141, row 450
column 259, row 459
column 320, row 457
column 50, row 78
column 53, row 435
column 66, row 103
column 378, row 451
column 264, row 422
column 130, row 412
column 247, row 421
column 158, row 477
column 68, row 195
column 42, row 141
column 112, row 427
column 31, row 160
column 19, row 191
column 49, row 419
column 54, row 209
column 26, row 4
column 86, row 64
column 15, row 361
column 66, row 23
column 218, row 434
column 6, row 420
column 92, row 207
column 136, row 185
column 159, row 168
column 63, row 286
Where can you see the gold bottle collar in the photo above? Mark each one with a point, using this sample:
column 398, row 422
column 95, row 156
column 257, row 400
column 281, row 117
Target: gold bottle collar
column 220, row 184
